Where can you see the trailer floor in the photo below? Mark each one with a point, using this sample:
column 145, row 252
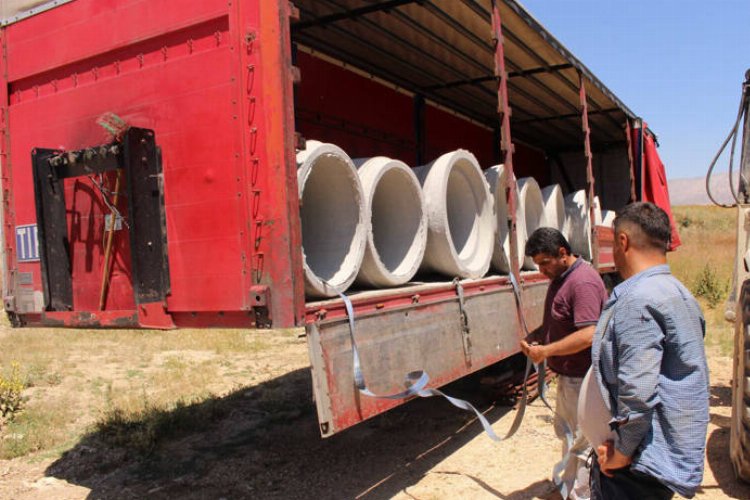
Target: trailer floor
column 264, row 443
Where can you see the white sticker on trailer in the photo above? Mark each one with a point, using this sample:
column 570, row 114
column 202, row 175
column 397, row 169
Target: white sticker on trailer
column 27, row 243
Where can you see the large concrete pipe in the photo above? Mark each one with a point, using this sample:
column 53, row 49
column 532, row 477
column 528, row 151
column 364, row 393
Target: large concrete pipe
column 398, row 235
column 532, row 206
column 578, row 223
column 461, row 223
column 597, row 211
column 497, row 179
column 554, row 207
column 608, row 218
column 335, row 220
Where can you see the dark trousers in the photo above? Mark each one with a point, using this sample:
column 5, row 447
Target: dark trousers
column 626, row 484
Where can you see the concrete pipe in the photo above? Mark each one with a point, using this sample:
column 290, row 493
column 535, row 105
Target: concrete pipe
column 532, row 206
column 398, row 235
column 334, row 216
column 578, row 223
column 597, row 211
column 608, row 218
column 460, row 219
column 554, row 207
column 497, row 179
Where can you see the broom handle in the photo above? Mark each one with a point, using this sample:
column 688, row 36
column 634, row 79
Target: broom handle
column 108, row 249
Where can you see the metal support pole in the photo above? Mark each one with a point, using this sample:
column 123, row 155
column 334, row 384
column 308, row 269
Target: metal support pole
column 589, row 169
column 506, row 144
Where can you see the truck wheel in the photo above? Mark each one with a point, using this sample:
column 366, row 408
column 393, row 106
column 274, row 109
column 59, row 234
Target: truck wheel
column 739, row 442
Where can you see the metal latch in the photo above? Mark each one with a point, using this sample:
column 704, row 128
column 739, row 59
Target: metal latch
column 465, row 330
column 260, row 297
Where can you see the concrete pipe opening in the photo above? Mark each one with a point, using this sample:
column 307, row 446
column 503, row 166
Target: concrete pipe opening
column 578, row 223
column 598, row 214
column 461, row 223
column 398, row 235
column 334, row 219
column 497, row 178
column 554, row 207
column 532, row 205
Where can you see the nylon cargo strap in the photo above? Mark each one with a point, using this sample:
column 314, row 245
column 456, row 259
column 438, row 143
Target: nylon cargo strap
column 541, row 369
column 417, row 381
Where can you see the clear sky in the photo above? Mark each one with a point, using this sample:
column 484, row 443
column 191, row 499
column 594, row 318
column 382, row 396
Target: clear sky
column 679, row 64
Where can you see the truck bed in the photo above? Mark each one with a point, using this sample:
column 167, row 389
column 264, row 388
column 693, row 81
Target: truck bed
column 417, row 327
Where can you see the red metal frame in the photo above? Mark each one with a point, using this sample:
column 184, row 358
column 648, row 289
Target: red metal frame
column 370, row 303
column 277, row 235
column 589, row 168
column 214, row 81
column 7, row 175
column 631, row 161
column 604, row 245
column 506, row 142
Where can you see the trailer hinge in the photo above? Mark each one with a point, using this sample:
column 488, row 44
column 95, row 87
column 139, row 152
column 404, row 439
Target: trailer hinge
column 464, row 318
column 260, row 297
column 9, row 301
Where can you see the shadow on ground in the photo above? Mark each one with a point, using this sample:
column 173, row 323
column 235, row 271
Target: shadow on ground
column 263, row 441
column 717, row 448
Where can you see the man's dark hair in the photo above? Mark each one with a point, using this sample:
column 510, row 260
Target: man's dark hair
column 653, row 222
column 546, row 240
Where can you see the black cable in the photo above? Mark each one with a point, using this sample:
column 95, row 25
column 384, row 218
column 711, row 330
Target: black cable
column 733, row 137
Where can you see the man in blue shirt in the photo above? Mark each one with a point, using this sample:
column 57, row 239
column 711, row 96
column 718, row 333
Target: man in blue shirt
column 649, row 361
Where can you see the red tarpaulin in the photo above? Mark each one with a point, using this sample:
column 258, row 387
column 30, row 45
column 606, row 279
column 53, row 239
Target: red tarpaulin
column 655, row 187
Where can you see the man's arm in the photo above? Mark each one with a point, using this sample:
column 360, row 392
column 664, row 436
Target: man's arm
column 639, row 346
column 571, row 344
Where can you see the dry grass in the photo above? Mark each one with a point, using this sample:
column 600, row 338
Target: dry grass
column 708, row 242
column 132, row 383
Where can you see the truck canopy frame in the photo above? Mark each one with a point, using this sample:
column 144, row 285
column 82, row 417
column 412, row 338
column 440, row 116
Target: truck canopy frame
column 443, row 51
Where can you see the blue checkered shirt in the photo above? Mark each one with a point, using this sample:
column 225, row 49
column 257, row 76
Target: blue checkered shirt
column 651, row 361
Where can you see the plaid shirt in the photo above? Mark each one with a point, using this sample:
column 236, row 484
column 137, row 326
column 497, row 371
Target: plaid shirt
column 651, row 362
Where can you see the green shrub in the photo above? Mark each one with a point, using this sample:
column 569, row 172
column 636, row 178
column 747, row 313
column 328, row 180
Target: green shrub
column 11, row 386
column 684, row 220
column 708, row 286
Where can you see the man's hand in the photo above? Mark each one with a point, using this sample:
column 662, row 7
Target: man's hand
column 610, row 459
column 537, row 353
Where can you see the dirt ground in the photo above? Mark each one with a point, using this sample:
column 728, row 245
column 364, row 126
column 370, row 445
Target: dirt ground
column 261, row 446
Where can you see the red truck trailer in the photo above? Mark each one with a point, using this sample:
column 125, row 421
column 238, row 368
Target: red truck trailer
column 217, row 95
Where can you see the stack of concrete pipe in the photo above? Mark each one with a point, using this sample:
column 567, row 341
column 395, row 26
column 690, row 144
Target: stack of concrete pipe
column 376, row 223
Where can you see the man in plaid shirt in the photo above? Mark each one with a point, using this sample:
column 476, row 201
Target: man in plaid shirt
column 649, row 361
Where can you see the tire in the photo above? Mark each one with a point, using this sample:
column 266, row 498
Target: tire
column 739, row 442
